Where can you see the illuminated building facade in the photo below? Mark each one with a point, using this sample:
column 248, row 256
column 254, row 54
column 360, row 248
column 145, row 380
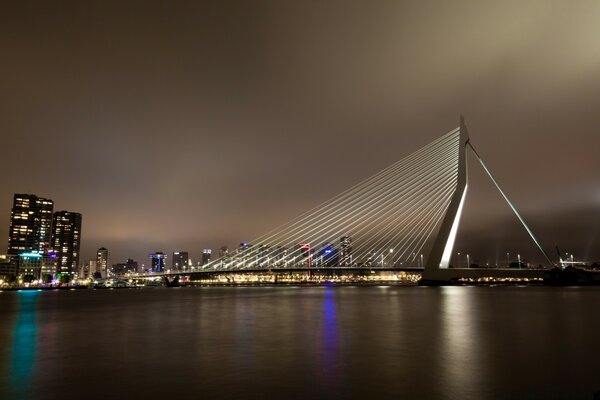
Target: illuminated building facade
column 66, row 241
column 30, row 224
column 206, row 253
column 180, row 260
column 102, row 261
column 157, row 261
column 37, row 265
column 87, row 269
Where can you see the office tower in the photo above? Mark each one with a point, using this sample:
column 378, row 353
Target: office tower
column 89, row 269
column 30, row 224
column 206, row 253
column 66, row 240
column 180, row 260
column 345, row 251
column 102, row 261
column 157, row 261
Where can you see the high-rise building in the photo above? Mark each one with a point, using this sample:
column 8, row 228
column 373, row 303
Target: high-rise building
column 66, row 241
column 345, row 251
column 206, row 253
column 102, row 261
column 157, row 261
column 180, row 260
column 88, row 269
column 30, row 224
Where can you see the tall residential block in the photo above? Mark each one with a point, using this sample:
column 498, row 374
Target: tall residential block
column 66, row 241
column 157, row 261
column 102, row 261
column 206, row 253
column 30, row 224
column 180, row 260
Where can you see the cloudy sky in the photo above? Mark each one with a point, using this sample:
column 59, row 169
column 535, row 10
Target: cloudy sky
column 183, row 125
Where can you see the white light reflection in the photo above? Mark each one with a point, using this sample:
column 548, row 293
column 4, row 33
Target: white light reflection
column 461, row 353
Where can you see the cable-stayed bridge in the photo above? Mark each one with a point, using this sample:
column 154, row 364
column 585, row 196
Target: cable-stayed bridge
column 406, row 215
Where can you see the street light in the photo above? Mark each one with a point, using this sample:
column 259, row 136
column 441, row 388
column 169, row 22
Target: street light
column 519, row 258
column 508, row 260
column 468, row 262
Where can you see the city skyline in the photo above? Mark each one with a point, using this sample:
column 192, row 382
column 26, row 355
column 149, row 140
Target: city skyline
column 186, row 146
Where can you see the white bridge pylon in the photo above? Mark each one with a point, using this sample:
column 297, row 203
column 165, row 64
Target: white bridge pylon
column 403, row 215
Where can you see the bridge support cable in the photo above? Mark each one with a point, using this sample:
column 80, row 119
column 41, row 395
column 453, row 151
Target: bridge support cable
column 375, row 210
column 364, row 200
column 403, row 225
column 394, row 172
column 510, row 204
column 397, row 209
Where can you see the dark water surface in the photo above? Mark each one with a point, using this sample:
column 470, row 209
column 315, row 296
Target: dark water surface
column 301, row 343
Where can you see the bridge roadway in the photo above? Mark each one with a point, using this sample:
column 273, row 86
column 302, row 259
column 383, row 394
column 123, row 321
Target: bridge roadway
column 346, row 275
column 437, row 277
column 319, row 270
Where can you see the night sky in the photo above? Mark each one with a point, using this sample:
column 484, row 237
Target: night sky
column 183, row 125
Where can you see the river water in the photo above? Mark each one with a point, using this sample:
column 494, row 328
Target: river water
column 301, row 343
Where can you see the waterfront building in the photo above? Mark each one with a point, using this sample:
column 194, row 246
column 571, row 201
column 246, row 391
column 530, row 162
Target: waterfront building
column 49, row 267
column 180, row 260
column 157, row 261
column 206, row 253
column 8, row 267
column 66, row 240
column 37, row 265
column 91, row 267
column 102, row 261
column 87, row 269
column 30, row 224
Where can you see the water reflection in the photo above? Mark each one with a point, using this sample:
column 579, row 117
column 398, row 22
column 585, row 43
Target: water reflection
column 329, row 346
column 460, row 369
column 309, row 343
column 24, row 346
